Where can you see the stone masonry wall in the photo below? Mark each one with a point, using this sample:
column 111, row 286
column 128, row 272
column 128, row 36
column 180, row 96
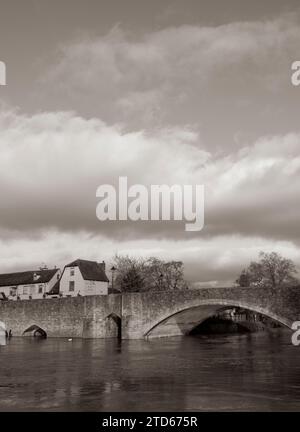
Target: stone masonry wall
column 63, row 317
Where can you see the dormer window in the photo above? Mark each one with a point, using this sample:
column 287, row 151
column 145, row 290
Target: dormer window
column 36, row 277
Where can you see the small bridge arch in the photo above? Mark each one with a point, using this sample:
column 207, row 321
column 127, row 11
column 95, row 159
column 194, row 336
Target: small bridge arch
column 35, row 331
column 114, row 323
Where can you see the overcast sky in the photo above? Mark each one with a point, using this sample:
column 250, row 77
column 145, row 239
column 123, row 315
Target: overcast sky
column 176, row 92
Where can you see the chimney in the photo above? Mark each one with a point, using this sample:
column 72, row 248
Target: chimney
column 102, row 264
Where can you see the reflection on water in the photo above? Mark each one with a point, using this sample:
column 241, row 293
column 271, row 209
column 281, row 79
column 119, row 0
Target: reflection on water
column 258, row 371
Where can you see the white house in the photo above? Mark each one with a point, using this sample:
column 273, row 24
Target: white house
column 82, row 277
column 34, row 284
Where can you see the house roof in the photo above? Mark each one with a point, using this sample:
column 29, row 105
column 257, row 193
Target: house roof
column 27, row 277
column 90, row 270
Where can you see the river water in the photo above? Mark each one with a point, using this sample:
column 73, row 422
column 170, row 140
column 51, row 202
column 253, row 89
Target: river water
column 258, row 371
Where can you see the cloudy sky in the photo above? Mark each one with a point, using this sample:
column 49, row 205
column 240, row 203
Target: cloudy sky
column 175, row 92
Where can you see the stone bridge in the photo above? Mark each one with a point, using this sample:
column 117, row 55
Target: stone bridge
column 178, row 312
column 139, row 315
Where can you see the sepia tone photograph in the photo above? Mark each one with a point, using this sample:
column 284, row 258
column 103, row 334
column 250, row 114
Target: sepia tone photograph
column 149, row 208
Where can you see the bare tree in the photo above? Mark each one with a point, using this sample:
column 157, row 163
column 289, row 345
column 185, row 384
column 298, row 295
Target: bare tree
column 138, row 274
column 271, row 270
column 244, row 279
column 161, row 274
column 129, row 273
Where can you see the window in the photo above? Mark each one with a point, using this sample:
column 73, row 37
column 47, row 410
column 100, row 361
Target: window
column 40, row 289
column 71, row 286
column 13, row 291
column 72, row 272
column 25, row 290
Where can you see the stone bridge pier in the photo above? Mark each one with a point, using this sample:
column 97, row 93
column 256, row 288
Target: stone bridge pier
column 76, row 317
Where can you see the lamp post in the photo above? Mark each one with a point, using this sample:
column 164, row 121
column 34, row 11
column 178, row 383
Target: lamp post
column 113, row 269
column 160, row 280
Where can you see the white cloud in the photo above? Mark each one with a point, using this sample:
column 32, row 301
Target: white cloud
column 52, row 163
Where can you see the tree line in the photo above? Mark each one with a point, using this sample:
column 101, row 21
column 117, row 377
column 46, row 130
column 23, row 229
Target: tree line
column 148, row 274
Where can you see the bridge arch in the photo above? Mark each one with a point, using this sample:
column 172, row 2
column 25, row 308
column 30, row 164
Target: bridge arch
column 114, row 323
column 181, row 321
column 35, row 331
